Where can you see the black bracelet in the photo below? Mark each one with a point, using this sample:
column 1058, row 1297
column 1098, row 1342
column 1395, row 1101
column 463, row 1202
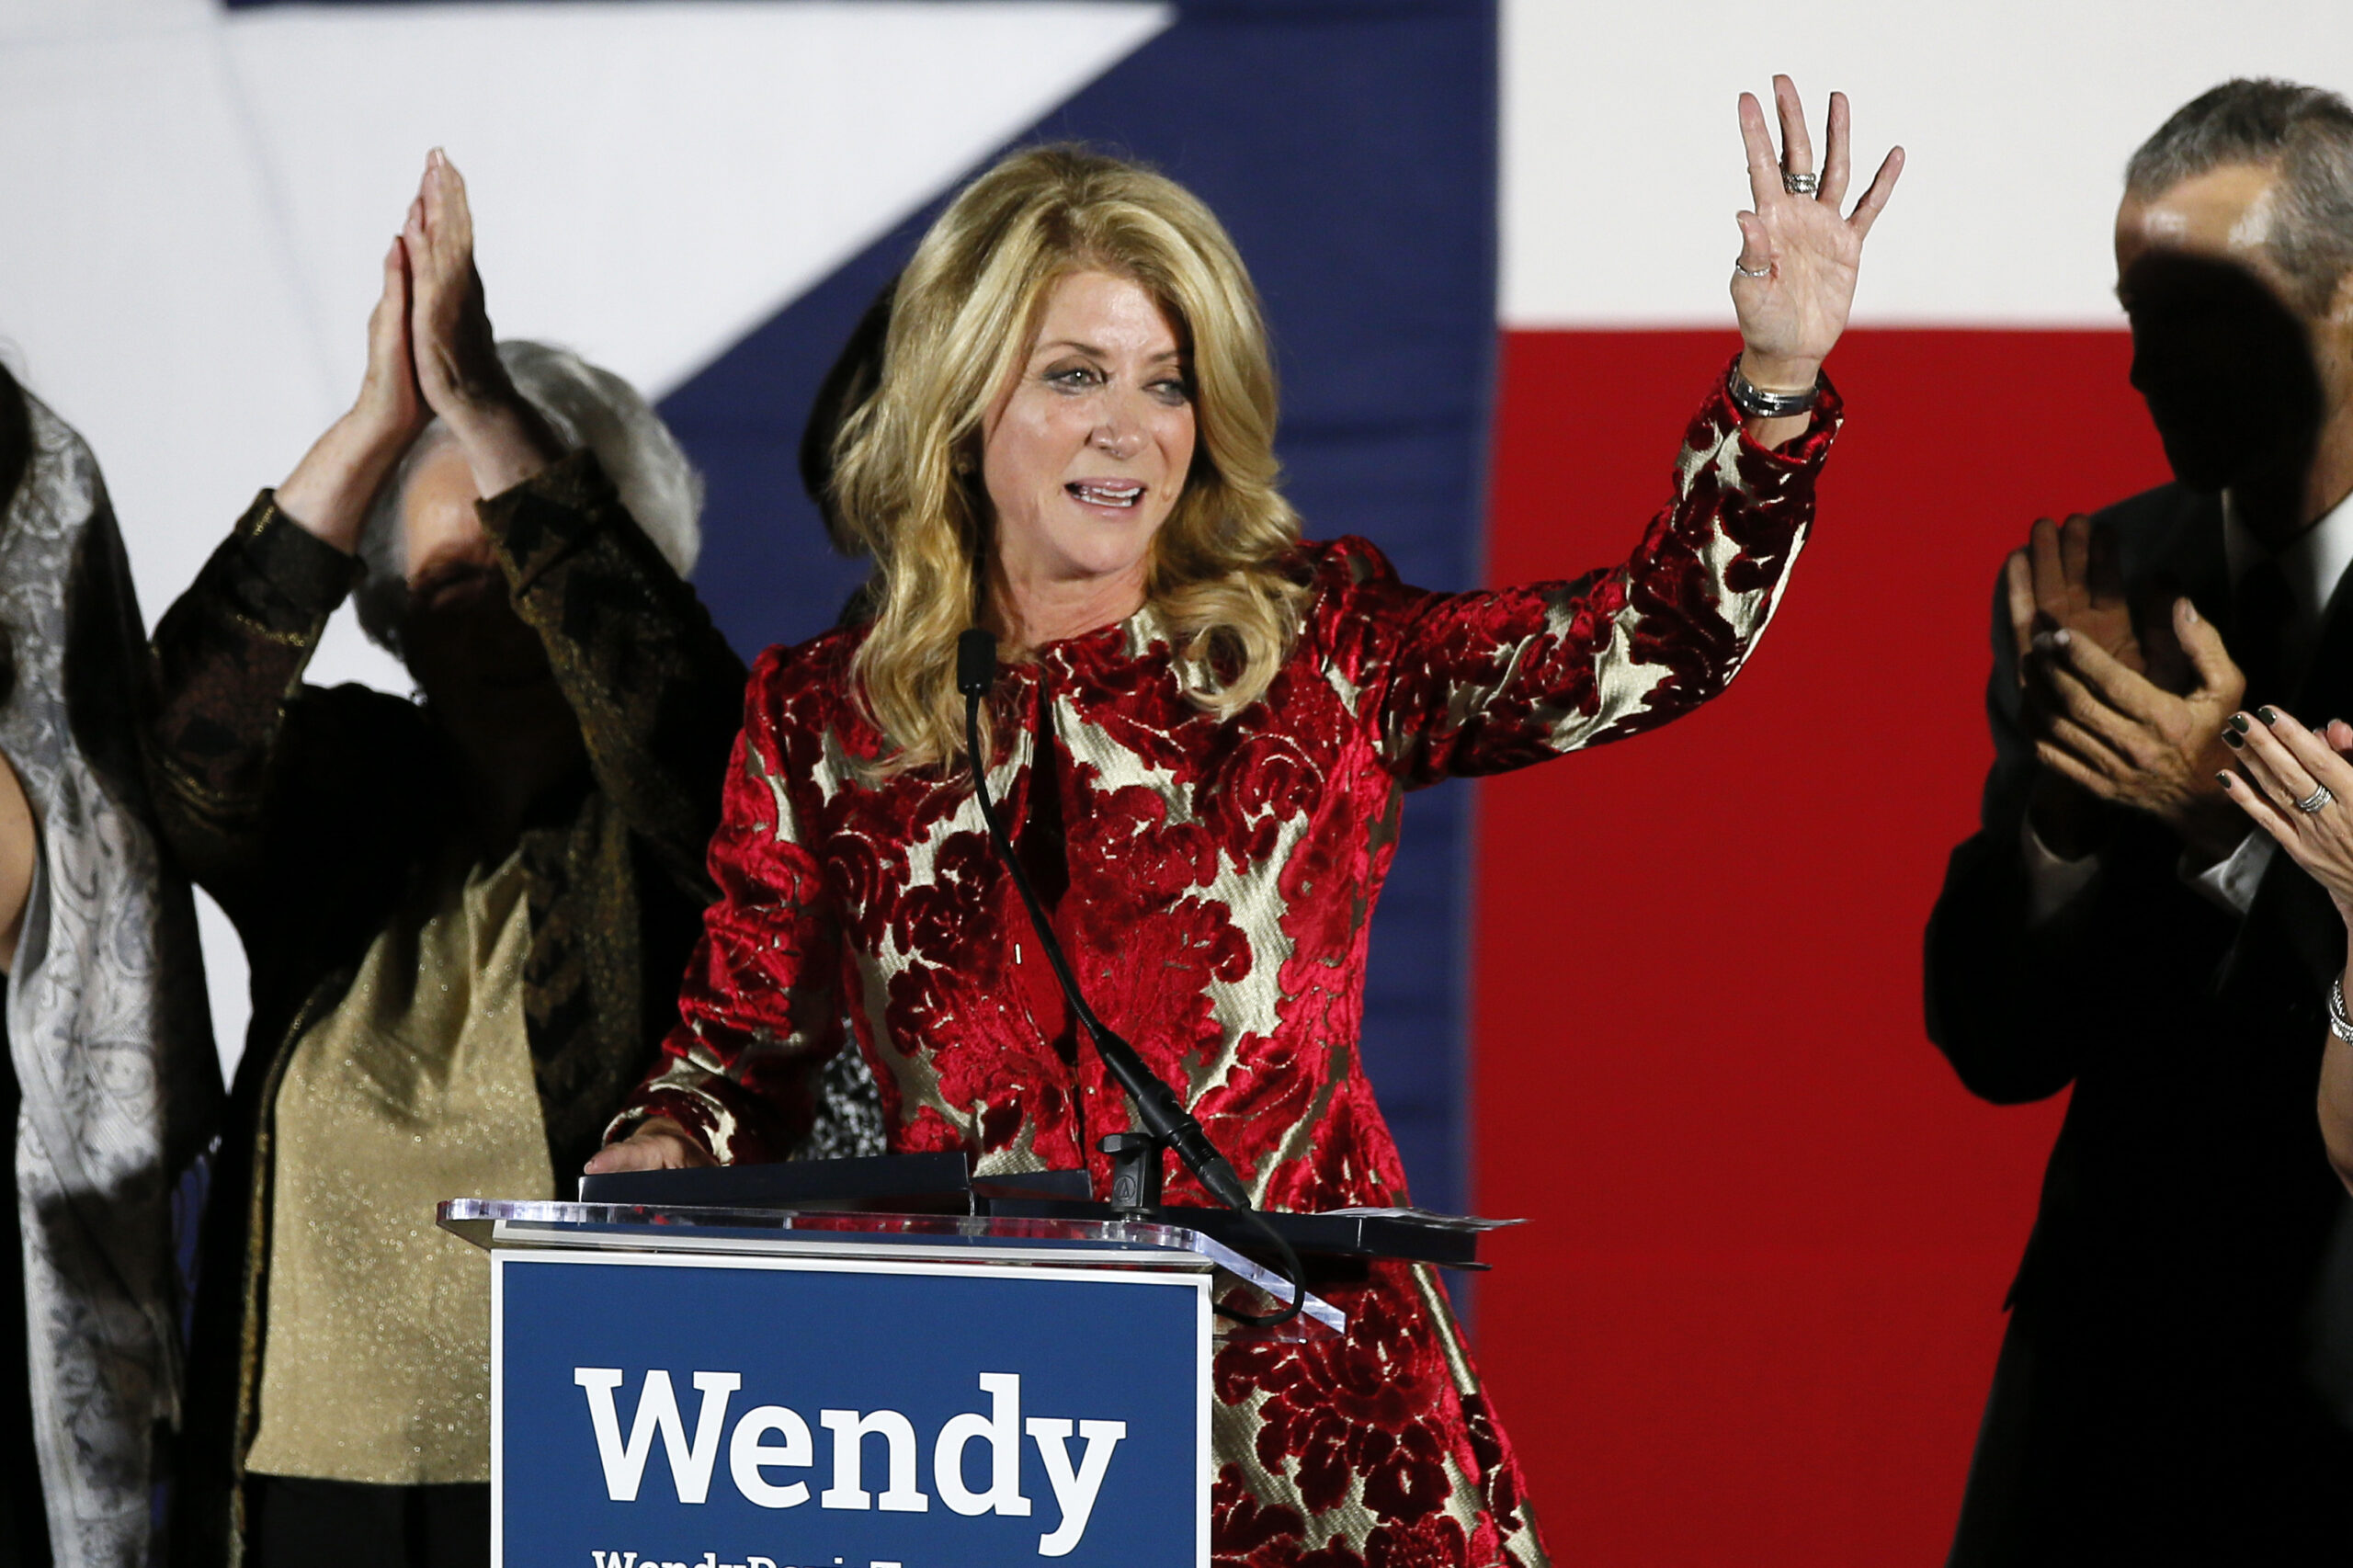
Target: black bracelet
column 1756, row 403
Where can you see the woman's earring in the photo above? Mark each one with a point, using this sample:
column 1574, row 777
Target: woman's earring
column 962, row 465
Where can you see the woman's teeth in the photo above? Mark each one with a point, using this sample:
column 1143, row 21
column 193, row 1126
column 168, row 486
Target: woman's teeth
column 1106, row 495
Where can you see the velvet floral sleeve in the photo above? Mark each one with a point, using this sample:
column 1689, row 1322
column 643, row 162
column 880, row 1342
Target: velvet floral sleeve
column 759, row 1011
column 1481, row 682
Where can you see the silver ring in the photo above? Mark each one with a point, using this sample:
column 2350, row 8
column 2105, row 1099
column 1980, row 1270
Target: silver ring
column 1800, row 184
column 2321, row 796
column 1764, row 271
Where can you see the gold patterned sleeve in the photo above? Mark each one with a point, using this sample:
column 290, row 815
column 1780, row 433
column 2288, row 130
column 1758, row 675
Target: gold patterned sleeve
column 658, row 690
column 226, row 669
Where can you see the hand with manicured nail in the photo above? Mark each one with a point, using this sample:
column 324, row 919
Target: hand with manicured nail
column 2282, row 769
column 2280, row 763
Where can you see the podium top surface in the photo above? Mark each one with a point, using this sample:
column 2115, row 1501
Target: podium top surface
column 507, row 1224
column 943, row 1182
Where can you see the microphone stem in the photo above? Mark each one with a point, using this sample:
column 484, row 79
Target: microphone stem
column 1163, row 1115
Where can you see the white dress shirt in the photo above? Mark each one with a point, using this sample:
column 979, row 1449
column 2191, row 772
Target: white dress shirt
column 2313, row 563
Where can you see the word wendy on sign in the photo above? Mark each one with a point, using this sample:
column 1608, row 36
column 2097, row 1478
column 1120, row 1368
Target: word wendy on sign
column 769, row 1445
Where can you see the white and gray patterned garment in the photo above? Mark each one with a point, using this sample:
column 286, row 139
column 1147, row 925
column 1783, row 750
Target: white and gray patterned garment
column 108, row 1027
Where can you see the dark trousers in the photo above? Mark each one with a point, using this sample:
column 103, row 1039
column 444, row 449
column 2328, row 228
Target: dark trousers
column 300, row 1523
column 2114, row 1442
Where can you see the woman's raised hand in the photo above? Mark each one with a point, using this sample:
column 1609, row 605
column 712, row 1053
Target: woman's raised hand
column 2298, row 788
column 1799, row 249
column 457, row 370
column 388, row 400
column 329, row 490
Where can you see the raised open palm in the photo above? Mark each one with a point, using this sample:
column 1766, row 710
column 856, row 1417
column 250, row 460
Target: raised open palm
column 1800, row 252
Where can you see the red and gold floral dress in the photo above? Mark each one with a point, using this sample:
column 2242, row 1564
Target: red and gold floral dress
column 1214, row 882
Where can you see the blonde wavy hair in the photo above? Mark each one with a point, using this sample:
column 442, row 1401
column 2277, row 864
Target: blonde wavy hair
column 907, row 486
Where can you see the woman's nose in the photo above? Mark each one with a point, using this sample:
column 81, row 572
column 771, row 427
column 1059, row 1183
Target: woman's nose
column 1117, row 438
column 1118, row 432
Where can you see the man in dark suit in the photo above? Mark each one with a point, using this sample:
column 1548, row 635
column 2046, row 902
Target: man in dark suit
column 2113, row 927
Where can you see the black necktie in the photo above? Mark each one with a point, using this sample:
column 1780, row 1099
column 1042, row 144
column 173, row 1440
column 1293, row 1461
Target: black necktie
column 2262, row 611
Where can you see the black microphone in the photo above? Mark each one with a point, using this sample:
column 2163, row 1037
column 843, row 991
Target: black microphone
column 1163, row 1116
column 975, row 664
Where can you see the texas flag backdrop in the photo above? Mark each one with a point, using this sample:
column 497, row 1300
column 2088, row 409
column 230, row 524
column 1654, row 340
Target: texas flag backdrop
column 1662, row 1000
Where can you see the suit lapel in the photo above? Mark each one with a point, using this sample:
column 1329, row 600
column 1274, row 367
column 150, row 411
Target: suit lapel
column 2328, row 687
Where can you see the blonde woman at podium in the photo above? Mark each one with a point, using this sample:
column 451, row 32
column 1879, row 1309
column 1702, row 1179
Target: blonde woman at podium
column 1200, row 738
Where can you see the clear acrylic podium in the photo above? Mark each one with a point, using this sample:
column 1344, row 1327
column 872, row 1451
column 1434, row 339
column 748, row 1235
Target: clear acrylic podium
column 681, row 1387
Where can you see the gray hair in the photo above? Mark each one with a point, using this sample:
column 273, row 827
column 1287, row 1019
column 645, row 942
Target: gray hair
column 585, row 406
column 2304, row 133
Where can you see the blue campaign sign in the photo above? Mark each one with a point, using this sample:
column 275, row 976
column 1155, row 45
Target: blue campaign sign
column 665, row 1411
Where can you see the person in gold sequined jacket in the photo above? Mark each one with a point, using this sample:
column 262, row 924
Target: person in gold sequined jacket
column 464, row 917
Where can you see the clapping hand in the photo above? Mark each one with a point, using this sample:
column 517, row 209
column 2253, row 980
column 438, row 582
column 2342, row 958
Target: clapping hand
column 458, row 371
column 329, row 490
column 2103, row 729
column 1799, row 249
column 2067, row 579
column 388, row 404
column 430, row 354
column 2296, row 787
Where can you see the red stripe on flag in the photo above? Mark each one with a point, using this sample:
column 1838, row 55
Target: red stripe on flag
column 1753, row 1319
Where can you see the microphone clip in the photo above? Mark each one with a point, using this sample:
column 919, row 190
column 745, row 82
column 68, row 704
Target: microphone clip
column 976, row 663
column 1136, row 1169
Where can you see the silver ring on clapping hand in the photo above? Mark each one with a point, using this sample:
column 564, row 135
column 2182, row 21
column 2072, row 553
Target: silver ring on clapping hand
column 1797, row 184
column 2321, row 796
column 1764, row 271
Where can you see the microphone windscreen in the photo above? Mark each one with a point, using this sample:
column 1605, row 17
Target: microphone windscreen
column 976, row 663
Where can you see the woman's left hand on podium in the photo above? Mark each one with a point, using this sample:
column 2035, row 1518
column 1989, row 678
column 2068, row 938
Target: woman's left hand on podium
column 658, row 1144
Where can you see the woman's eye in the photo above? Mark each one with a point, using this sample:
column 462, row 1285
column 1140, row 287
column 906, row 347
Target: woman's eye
column 1171, row 393
column 1071, row 376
